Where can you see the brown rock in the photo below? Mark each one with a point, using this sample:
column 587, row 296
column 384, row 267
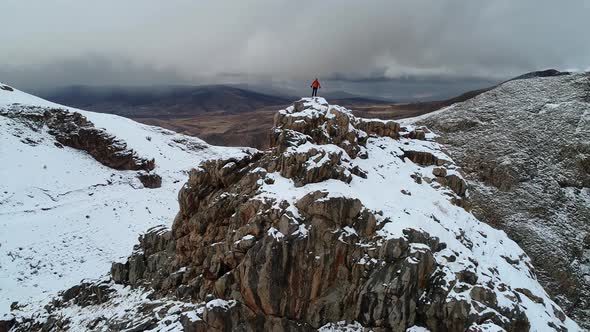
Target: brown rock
column 439, row 171
column 457, row 184
column 422, row 158
column 150, row 180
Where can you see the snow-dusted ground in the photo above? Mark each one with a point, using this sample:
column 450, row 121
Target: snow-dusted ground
column 523, row 146
column 64, row 216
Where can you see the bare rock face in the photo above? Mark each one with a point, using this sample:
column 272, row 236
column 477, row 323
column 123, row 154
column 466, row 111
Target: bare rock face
column 336, row 126
column 150, row 179
column 524, row 148
column 240, row 257
column 423, row 158
column 74, row 130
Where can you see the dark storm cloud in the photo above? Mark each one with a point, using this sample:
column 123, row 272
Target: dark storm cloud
column 87, row 70
column 202, row 41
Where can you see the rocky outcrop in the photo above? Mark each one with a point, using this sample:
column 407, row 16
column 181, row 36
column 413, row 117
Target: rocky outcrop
column 282, row 241
column 74, row 130
column 276, row 265
column 86, row 294
column 423, row 158
column 524, row 148
column 6, row 87
column 149, row 179
column 328, row 125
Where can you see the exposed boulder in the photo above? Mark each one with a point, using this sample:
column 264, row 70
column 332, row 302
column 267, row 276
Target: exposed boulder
column 423, row 158
column 150, row 179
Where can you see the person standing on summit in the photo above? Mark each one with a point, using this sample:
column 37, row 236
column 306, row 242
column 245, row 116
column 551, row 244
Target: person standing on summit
column 315, row 85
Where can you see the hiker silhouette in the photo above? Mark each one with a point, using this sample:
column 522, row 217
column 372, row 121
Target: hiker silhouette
column 315, row 85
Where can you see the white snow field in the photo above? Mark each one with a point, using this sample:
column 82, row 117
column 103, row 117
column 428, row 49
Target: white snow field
column 64, row 216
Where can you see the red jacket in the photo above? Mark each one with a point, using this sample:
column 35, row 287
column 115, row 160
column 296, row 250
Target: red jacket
column 315, row 84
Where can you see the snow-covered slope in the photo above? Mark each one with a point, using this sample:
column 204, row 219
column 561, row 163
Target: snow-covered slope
column 63, row 215
column 524, row 147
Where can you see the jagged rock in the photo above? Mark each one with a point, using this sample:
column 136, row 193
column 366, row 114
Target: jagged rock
column 423, row 158
column 273, row 252
column 150, row 180
column 340, row 210
column 457, row 184
column 530, row 295
column 312, row 166
column 151, row 260
column 439, row 171
column 87, row 294
column 329, row 124
column 379, row 128
column 120, row 272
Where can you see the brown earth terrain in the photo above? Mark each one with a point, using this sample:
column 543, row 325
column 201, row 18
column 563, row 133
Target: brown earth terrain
column 222, row 128
column 252, row 128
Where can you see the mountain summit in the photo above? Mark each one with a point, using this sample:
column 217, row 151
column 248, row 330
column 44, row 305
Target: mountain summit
column 344, row 224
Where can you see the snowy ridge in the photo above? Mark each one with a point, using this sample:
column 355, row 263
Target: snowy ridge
column 67, row 216
column 402, row 203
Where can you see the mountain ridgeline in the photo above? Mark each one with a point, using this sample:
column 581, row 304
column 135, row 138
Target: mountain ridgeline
column 164, row 102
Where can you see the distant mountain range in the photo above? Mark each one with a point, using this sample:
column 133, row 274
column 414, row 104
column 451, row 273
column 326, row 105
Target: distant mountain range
column 177, row 101
column 164, row 102
column 233, row 115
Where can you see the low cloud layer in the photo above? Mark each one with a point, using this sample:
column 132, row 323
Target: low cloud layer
column 182, row 41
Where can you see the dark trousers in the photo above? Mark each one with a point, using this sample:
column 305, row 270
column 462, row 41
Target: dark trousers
column 314, row 92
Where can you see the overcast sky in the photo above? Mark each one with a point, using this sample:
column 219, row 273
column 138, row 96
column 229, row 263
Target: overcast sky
column 214, row 41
